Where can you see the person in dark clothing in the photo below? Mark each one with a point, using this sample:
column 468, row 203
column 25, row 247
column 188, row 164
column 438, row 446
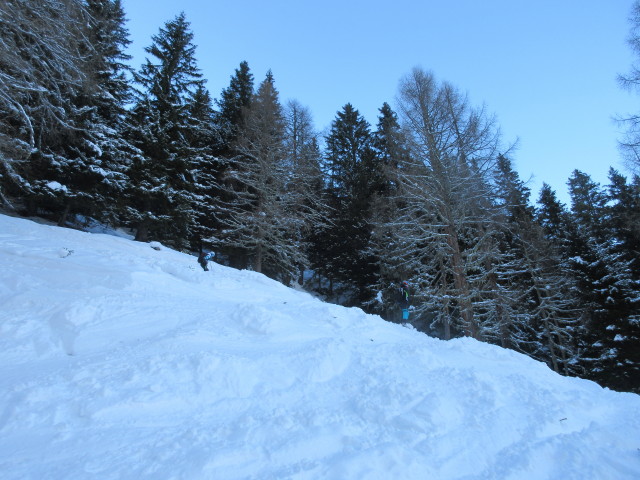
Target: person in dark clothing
column 402, row 298
column 203, row 260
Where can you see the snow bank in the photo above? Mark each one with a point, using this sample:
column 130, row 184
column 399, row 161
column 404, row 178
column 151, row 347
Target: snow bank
column 120, row 361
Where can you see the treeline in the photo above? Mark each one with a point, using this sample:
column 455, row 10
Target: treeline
column 427, row 195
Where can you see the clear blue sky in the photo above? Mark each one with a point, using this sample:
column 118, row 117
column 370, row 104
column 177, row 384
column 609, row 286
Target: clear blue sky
column 547, row 69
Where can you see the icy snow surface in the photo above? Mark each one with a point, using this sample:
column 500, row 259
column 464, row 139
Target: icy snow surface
column 118, row 361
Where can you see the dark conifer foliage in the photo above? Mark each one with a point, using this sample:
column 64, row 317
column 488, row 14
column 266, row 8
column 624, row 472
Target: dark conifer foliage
column 43, row 75
column 106, row 106
column 203, row 142
column 624, row 218
column 554, row 217
column 160, row 198
column 341, row 249
column 257, row 180
column 390, row 147
column 228, row 120
column 270, row 185
column 537, row 300
column 109, row 62
column 233, row 101
column 623, row 210
column 425, row 197
column 70, row 89
column 606, row 287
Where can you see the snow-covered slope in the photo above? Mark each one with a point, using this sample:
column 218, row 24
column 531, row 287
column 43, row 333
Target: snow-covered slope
column 118, row 361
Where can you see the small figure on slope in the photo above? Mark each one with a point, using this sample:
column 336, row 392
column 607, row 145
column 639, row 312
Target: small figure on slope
column 402, row 298
column 203, row 260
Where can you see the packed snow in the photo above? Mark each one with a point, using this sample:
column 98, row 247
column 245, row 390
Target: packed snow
column 122, row 361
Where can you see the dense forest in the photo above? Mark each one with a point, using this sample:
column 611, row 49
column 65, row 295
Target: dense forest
column 428, row 194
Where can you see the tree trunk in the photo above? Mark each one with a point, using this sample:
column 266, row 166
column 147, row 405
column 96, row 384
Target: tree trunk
column 447, row 321
column 142, row 232
column 63, row 218
column 257, row 259
column 461, row 284
column 446, row 314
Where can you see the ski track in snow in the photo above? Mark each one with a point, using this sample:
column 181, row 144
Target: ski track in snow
column 118, row 361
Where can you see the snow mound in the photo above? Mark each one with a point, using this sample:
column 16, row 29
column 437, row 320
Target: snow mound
column 120, row 361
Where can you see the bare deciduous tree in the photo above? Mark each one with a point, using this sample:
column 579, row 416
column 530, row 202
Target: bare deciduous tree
column 445, row 212
column 41, row 69
column 630, row 143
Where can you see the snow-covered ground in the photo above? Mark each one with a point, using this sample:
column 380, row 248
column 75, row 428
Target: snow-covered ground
column 118, row 361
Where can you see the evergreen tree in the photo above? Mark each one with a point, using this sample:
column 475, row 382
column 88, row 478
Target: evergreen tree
column 539, row 302
column 160, row 198
column 228, row 120
column 74, row 88
column 624, row 211
column 233, row 100
column 203, row 139
column 347, row 144
column 606, row 288
column 554, row 218
column 389, row 141
column 390, row 146
column 106, row 106
column 261, row 220
column 623, row 214
column 43, row 71
column 341, row 249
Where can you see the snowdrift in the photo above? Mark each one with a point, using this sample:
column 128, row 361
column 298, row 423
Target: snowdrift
column 119, row 361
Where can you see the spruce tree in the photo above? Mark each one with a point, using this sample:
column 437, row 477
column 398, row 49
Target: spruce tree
column 341, row 249
column 554, row 218
column 348, row 143
column 606, row 287
column 72, row 89
column 623, row 215
column 261, row 221
column 44, row 72
column 390, row 146
column 624, row 212
column 233, row 100
column 106, row 106
column 160, row 198
column 537, row 292
column 204, row 140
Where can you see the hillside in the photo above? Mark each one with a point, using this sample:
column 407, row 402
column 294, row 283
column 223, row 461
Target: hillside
column 120, row 361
